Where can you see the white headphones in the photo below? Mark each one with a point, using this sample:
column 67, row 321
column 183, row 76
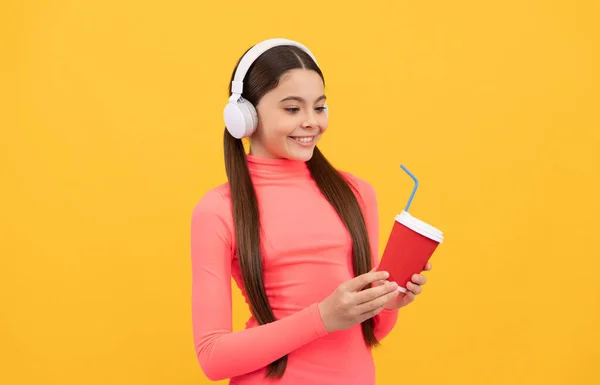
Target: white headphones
column 239, row 114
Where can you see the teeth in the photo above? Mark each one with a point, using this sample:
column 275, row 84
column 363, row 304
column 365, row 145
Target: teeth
column 305, row 139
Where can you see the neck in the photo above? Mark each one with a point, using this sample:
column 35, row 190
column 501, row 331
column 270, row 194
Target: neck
column 276, row 168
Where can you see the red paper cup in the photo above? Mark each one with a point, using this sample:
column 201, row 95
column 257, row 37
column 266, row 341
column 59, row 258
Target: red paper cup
column 409, row 247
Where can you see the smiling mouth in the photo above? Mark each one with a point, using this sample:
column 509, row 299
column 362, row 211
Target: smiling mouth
column 303, row 139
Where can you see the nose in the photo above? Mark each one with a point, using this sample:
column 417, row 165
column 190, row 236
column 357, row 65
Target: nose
column 310, row 120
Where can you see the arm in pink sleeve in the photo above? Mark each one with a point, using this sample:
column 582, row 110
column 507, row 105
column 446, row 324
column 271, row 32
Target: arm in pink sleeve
column 386, row 319
column 221, row 352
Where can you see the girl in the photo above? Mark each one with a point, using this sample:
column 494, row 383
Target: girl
column 299, row 238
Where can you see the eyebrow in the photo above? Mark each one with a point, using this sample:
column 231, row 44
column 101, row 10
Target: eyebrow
column 301, row 100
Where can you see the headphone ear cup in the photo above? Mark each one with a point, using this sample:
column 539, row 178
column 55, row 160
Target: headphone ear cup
column 250, row 117
column 240, row 118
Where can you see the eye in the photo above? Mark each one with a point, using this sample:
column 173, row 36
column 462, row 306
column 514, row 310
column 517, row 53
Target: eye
column 292, row 110
column 320, row 109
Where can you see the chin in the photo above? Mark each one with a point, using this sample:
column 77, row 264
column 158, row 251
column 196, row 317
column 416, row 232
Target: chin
column 300, row 154
column 303, row 156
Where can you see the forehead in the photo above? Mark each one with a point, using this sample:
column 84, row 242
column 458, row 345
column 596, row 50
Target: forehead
column 300, row 81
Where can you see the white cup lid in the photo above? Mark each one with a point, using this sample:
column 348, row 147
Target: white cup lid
column 420, row 227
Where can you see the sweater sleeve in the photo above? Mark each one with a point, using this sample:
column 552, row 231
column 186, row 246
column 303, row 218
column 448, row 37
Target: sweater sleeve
column 221, row 352
column 386, row 319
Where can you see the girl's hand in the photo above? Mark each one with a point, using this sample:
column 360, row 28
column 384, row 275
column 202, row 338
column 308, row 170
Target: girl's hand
column 349, row 304
column 413, row 288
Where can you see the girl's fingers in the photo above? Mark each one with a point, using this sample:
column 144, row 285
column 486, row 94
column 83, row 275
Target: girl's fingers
column 419, row 279
column 415, row 289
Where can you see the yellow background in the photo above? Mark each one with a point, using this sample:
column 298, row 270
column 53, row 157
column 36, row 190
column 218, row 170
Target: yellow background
column 111, row 130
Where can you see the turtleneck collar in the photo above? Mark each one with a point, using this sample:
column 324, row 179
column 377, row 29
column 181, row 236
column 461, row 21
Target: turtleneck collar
column 276, row 168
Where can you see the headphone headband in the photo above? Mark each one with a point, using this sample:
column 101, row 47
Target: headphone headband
column 237, row 85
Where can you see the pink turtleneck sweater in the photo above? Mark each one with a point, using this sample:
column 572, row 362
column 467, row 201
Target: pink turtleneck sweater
column 307, row 254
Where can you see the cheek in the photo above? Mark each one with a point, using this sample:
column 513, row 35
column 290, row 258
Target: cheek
column 279, row 134
column 276, row 133
column 274, row 127
column 284, row 126
column 324, row 123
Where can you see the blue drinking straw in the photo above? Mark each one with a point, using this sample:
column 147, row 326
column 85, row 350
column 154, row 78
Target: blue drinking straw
column 414, row 189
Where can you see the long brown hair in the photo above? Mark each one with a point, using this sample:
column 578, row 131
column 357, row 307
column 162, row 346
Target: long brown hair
column 263, row 76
